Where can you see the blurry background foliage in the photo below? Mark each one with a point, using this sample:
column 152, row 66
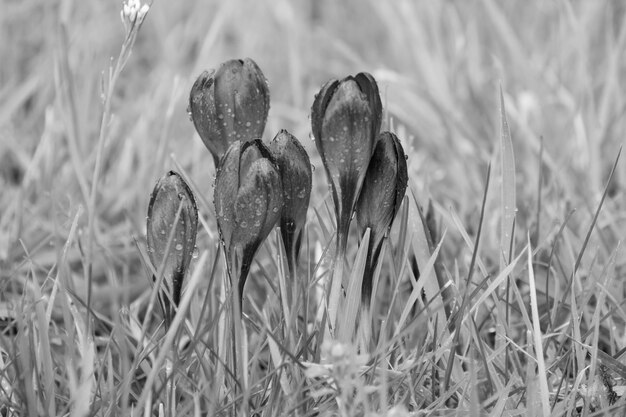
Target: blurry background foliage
column 439, row 65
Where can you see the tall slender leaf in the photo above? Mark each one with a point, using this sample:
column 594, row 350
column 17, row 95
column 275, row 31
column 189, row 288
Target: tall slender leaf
column 507, row 196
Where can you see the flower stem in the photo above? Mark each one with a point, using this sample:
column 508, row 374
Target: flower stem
column 335, row 297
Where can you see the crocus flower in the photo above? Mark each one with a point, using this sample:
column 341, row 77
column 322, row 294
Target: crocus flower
column 382, row 193
column 345, row 117
column 229, row 104
column 172, row 214
column 248, row 201
column 295, row 170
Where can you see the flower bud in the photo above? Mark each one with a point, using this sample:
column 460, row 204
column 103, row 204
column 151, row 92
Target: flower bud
column 380, row 199
column 172, row 212
column 248, row 201
column 345, row 118
column 229, row 104
column 295, row 170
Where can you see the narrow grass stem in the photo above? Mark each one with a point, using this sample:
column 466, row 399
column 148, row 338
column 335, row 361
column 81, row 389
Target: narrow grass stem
column 336, row 283
column 365, row 329
column 239, row 271
column 170, row 403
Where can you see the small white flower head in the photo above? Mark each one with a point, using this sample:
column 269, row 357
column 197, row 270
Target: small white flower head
column 335, row 350
column 133, row 13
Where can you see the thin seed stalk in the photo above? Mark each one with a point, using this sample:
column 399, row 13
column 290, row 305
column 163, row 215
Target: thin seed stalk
column 104, row 133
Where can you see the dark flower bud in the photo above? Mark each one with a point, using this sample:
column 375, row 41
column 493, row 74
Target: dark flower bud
column 229, row 104
column 172, row 213
column 345, row 118
column 295, row 170
column 380, row 199
column 248, row 201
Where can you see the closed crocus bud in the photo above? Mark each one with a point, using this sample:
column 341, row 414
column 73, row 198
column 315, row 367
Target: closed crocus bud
column 248, row 201
column 382, row 193
column 172, row 213
column 229, row 104
column 295, row 170
column 345, row 118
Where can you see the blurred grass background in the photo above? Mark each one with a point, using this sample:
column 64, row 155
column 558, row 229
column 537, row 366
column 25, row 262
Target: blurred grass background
column 439, row 66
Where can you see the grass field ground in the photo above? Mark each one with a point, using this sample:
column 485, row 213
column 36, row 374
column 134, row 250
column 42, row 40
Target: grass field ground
column 512, row 117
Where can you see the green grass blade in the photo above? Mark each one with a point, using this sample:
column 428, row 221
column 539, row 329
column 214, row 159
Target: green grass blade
column 353, row 295
column 425, row 261
column 537, row 337
column 507, row 188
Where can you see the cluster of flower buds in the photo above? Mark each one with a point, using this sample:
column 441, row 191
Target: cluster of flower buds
column 259, row 186
column 256, row 187
column 345, row 118
column 366, row 169
column 248, row 203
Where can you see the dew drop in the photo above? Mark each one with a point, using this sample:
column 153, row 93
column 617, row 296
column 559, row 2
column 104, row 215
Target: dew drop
column 195, row 253
column 248, row 124
column 243, row 224
column 179, row 246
